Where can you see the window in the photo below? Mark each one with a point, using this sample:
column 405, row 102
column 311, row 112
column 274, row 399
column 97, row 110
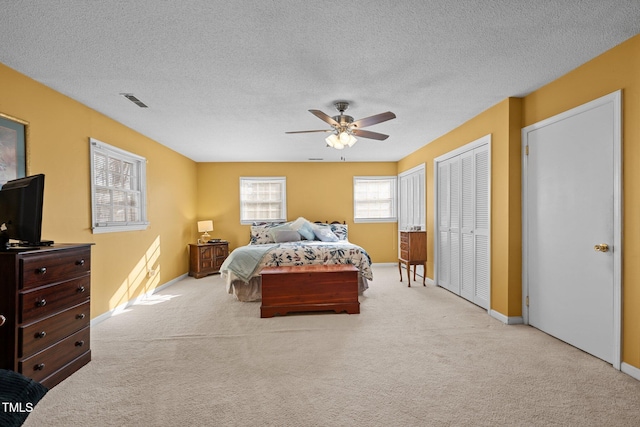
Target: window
column 118, row 189
column 374, row 199
column 263, row 199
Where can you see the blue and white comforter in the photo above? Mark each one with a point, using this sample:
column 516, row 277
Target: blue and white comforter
column 238, row 267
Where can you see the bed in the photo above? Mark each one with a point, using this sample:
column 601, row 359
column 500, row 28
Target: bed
column 293, row 243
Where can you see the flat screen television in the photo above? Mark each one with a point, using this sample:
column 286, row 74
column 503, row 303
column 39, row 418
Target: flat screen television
column 21, row 211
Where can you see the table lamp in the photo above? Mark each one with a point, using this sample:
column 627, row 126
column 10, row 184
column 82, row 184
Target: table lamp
column 205, row 226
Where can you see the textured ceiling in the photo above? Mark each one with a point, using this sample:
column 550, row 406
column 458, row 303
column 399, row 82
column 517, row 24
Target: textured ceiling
column 225, row 80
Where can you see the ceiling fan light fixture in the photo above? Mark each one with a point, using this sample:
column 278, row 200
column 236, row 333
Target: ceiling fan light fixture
column 343, row 126
column 332, row 140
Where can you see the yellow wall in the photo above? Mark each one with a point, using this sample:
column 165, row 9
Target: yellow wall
column 506, row 289
column 182, row 192
column 58, row 146
column 316, row 191
column 616, row 69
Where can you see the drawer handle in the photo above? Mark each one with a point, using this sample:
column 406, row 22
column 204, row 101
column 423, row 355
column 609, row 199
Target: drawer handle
column 80, row 262
column 41, row 303
column 39, row 367
column 80, row 316
column 80, row 289
column 41, row 270
column 79, row 343
column 40, row 334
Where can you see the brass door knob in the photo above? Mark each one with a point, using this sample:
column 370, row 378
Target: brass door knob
column 602, row 247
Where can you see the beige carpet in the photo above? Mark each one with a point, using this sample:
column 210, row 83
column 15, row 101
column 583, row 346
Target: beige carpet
column 194, row 356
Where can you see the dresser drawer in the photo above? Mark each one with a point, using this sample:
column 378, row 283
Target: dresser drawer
column 404, row 246
column 40, row 335
column 404, row 254
column 38, row 270
column 404, row 238
column 45, row 363
column 48, row 300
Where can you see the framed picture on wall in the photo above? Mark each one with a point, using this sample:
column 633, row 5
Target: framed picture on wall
column 13, row 157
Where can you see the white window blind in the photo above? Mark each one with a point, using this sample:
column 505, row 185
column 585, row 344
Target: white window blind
column 374, row 199
column 263, row 199
column 118, row 189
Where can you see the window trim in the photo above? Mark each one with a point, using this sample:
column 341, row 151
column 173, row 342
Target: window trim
column 283, row 203
column 140, row 162
column 394, row 198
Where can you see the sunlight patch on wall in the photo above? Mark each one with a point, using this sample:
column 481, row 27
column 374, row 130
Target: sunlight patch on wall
column 143, row 278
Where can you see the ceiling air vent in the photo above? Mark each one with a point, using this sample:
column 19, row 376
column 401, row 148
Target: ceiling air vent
column 135, row 100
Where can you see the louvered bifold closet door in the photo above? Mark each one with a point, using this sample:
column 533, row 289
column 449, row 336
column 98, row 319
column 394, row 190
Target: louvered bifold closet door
column 444, row 246
column 468, row 215
column 481, row 232
column 403, row 219
column 454, row 226
column 463, row 224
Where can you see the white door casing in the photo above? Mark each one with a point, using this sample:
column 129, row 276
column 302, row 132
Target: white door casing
column 572, row 201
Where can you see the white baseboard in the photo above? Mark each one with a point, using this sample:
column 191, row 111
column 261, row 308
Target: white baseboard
column 513, row 320
column 125, row 305
column 630, row 370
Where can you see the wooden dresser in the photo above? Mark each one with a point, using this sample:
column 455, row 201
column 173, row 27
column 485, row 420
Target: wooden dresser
column 45, row 298
column 206, row 258
column 413, row 251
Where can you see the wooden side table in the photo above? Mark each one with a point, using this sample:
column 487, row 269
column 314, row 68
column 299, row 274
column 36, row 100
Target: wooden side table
column 206, row 258
column 413, row 251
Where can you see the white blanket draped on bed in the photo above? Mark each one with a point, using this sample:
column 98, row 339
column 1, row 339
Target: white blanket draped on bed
column 241, row 270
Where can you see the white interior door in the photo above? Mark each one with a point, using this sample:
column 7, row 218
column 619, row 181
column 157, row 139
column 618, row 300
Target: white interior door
column 571, row 198
column 443, row 241
column 463, row 218
column 482, row 221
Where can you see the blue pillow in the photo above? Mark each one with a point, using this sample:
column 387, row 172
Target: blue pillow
column 306, row 231
column 325, row 234
column 303, row 226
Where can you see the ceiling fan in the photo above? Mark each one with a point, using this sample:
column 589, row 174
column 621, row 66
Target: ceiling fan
column 344, row 127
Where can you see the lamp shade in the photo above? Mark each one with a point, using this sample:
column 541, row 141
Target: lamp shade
column 341, row 140
column 204, row 226
column 332, row 139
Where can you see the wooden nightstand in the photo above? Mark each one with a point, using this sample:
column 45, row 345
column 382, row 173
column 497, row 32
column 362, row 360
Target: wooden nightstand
column 206, row 258
column 413, row 251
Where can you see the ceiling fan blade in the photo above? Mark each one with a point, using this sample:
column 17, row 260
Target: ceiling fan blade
column 372, row 120
column 322, row 116
column 368, row 134
column 309, row 131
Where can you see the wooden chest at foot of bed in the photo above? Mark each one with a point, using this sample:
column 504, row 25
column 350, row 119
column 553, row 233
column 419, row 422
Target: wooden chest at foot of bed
column 309, row 288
